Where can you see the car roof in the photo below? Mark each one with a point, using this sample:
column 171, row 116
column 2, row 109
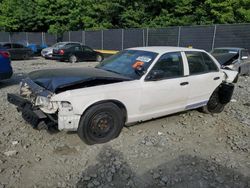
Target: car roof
column 164, row 49
column 69, row 42
column 3, row 43
column 230, row 48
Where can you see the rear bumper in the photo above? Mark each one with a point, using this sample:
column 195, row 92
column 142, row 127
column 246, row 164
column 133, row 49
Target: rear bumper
column 30, row 114
column 6, row 75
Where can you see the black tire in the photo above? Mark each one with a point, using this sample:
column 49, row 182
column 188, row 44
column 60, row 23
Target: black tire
column 99, row 58
column 100, row 123
column 73, row 59
column 213, row 106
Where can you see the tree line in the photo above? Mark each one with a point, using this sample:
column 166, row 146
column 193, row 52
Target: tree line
column 57, row 16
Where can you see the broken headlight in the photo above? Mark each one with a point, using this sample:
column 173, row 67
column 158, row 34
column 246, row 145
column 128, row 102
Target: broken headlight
column 46, row 105
column 42, row 101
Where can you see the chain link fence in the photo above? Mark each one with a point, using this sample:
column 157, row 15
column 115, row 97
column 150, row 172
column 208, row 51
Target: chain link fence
column 202, row 37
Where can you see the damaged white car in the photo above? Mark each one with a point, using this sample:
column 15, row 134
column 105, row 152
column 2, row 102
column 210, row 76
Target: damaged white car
column 134, row 85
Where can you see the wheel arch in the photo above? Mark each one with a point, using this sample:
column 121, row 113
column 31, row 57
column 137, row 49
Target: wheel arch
column 114, row 101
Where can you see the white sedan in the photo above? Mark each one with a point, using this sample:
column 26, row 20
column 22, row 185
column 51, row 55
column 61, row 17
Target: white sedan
column 137, row 84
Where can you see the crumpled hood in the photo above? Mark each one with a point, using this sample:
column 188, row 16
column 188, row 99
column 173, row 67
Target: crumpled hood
column 58, row 80
column 225, row 58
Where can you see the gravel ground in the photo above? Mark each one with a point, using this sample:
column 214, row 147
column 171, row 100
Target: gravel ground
column 189, row 149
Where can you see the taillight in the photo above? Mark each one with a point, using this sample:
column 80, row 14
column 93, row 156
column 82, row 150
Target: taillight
column 5, row 54
column 61, row 52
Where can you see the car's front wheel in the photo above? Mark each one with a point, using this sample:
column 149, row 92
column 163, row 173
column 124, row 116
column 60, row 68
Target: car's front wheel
column 99, row 58
column 73, row 59
column 214, row 105
column 101, row 123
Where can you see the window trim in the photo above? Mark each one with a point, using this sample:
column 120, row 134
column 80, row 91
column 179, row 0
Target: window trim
column 174, row 77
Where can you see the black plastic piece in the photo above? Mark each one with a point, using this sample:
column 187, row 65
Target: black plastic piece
column 184, row 83
column 30, row 114
column 226, row 92
column 17, row 100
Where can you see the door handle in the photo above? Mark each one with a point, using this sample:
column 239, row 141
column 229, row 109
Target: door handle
column 216, row 78
column 184, row 83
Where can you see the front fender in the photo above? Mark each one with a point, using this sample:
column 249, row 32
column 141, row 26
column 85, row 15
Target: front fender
column 230, row 76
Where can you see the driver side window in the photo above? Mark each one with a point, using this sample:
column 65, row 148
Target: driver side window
column 170, row 65
column 87, row 49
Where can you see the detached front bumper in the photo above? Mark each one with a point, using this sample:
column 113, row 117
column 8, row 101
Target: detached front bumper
column 29, row 113
column 65, row 119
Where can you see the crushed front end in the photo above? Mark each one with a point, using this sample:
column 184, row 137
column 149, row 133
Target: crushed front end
column 27, row 103
column 34, row 103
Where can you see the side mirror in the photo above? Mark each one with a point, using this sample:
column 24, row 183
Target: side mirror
column 155, row 75
column 244, row 57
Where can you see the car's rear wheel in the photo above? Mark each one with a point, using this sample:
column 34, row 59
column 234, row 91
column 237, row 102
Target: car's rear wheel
column 73, row 59
column 101, row 123
column 214, row 105
column 99, row 58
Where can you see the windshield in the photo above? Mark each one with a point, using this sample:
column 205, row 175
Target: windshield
column 124, row 62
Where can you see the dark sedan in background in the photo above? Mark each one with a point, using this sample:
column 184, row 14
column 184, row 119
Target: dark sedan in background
column 5, row 65
column 233, row 58
column 17, row 51
column 75, row 52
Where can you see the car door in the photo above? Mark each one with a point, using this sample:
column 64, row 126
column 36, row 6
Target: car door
column 16, row 50
column 245, row 62
column 76, row 49
column 165, row 89
column 19, row 50
column 204, row 77
column 88, row 53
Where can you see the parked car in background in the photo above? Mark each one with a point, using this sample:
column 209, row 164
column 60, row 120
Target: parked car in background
column 5, row 65
column 74, row 52
column 233, row 58
column 47, row 52
column 37, row 48
column 17, row 51
column 137, row 84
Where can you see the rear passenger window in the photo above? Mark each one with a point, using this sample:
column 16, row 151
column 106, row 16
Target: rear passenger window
column 170, row 64
column 209, row 63
column 77, row 48
column 200, row 63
